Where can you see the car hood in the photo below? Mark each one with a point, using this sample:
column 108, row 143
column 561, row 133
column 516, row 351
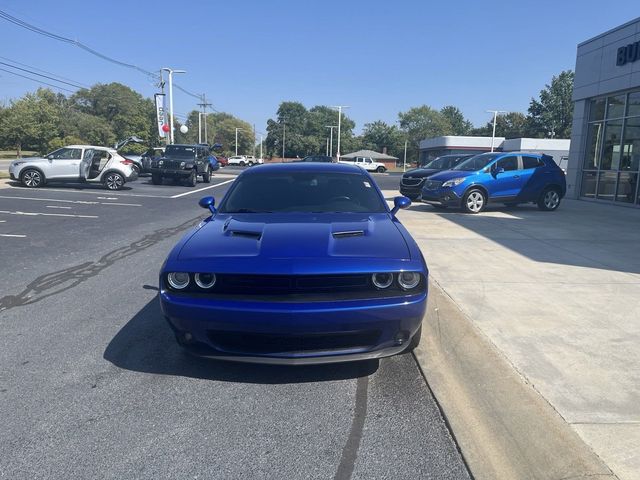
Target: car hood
column 420, row 173
column 30, row 160
column 449, row 174
column 236, row 242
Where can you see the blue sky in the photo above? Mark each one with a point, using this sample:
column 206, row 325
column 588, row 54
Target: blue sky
column 379, row 57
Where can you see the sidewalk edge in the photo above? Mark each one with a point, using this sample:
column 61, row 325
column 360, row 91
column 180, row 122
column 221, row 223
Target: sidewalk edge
column 503, row 426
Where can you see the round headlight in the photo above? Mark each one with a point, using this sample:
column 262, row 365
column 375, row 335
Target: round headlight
column 382, row 280
column 182, row 164
column 205, row 280
column 160, row 163
column 408, row 280
column 178, row 280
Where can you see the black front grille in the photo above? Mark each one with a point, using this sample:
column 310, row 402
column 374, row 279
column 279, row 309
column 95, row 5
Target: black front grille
column 267, row 343
column 289, row 284
column 411, row 182
column 432, row 184
column 171, row 164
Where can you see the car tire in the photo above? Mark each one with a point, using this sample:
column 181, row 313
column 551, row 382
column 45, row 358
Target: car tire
column 415, row 341
column 474, row 201
column 193, row 179
column 241, row 164
column 156, row 179
column 113, row 181
column 206, row 176
column 32, row 178
column 135, row 168
column 381, row 169
column 549, row 199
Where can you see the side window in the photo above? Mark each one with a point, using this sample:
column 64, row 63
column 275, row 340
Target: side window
column 531, row 162
column 368, row 160
column 67, row 154
column 508, row 163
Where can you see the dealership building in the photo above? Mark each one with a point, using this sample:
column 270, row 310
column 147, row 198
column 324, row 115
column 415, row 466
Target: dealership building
column 604, row 159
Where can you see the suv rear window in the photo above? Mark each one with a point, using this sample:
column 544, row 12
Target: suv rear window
column 531, row 162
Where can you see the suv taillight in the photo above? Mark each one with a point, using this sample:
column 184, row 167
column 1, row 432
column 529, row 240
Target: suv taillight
column 126, row 162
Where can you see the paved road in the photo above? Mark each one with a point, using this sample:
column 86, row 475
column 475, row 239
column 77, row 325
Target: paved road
column 92, row 384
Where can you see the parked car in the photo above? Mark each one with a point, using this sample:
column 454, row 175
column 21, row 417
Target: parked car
column 222, row 160
column 237, row 160
column 509, row 178
column 182, row 162
column 367, row 163
column 318, row 158
column 411, row 182
column 251, row 160
column 301, row 263
column 151, row 154
column 75, row 163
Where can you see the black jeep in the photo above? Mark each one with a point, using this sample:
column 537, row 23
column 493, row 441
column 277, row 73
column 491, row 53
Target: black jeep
column 182, row 162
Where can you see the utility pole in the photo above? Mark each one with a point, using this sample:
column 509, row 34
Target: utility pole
column 260, row 145
column 164, row 120
column 495, row 118
column 327, row 146
column 254, row 141
column 237, row 140
column 330, row 154
column 204, row 106
column 339, row 107
column 404, row 164
column 171, row 72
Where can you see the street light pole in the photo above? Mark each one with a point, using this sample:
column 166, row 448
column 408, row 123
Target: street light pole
column 339, row 107
column 171, row 72
column 330, row 154
column 327, row 146
column 495, row 118
column 284, row 131
column 404, row 163
column 260, row 145
column 237, row 141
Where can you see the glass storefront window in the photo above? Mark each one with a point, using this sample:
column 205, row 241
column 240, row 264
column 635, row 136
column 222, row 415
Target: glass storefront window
column 607, row 185
column 596, row 110
column 633, row 104
column 611, row 148
column 627, row 186
column 594, row 141
column 631, row 145
column 589, row 180
column 615, row 106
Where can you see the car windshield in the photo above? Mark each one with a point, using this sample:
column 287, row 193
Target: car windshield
column 179, row 151
column 310, row 192
column 476, row 163
column 438, row 164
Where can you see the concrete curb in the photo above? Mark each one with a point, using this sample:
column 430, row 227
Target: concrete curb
column 504, row 427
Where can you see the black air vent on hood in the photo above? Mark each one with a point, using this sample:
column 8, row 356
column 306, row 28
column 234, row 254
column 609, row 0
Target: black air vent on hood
column 240, row 233
column 348, row 233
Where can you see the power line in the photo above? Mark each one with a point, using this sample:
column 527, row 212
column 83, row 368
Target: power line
column 16, row 21
column 43, row 71
column 37, row 81
column 40, row 75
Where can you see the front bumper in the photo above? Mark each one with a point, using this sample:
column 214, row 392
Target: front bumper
column 442, row 196
column 170, row 173
column 291, row 332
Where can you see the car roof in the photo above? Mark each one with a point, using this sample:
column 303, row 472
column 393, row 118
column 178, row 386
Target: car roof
column 310, row 167
column 93, row 147
column 186, row 145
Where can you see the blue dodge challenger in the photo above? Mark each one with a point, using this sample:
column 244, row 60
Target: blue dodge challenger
column 300, row 263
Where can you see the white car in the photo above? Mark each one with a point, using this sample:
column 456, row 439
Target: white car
column 365, row 162
column 75, row 163
column 243, row 160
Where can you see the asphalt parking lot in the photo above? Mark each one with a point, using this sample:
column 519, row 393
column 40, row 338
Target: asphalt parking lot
column 92, row 384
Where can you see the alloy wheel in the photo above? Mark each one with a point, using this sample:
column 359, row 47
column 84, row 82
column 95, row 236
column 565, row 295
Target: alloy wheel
column 475, row 202
column 551, row 199
column 32, row 178
column 114, row 181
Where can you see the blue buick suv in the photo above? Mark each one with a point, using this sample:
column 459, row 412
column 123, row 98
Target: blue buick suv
column 504, row 177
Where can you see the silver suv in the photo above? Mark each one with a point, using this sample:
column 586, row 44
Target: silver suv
column 75, row 163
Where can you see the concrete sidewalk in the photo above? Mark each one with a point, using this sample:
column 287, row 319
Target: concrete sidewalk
column 558, row 294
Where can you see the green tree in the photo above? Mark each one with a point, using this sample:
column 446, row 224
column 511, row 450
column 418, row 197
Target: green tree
column 509, row 125
column 32, row 121
column 378, row 135
column 422, row 122
column 125, row 110
column 459, row 124
column 552, row 114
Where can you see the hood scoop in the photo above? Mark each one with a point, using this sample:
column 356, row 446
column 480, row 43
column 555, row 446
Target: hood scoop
column 235, row 228
column 348, row 233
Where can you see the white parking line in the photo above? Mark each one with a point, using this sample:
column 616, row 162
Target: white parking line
column 121, row 204
column 12, row 236
column 92, row 192
column 58, row 206
column 35, row 214
column 81, row 202
column 201, row 189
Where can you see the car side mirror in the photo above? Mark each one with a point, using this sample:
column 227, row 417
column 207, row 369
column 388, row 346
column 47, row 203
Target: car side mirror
column 398, row 203
column 208, row 203
column 495, row 170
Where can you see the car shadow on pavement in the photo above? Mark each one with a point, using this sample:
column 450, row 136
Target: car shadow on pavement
column 146, row 344
column 71, row 186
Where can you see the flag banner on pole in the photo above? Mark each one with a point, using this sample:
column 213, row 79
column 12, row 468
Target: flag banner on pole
column 160, row 113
